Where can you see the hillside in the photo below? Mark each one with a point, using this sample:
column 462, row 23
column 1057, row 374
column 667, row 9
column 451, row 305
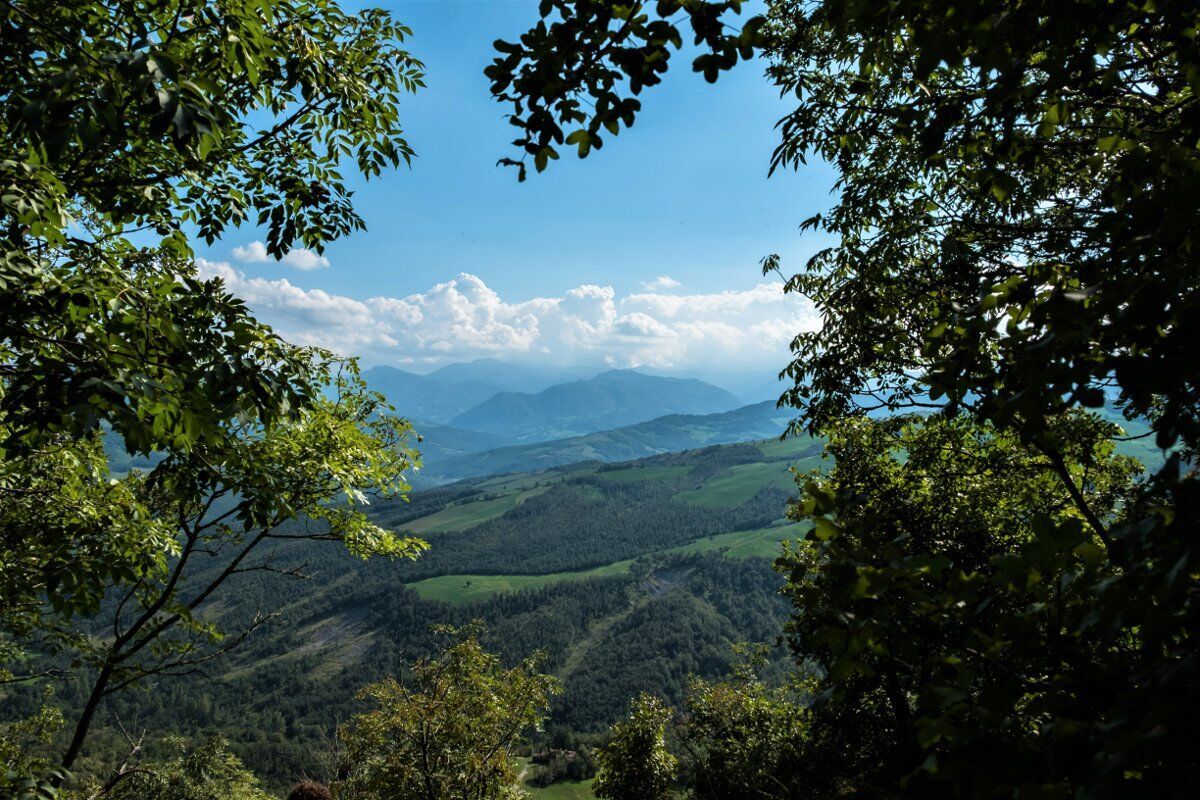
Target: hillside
column 662, row 435
column 612, row 399
column 445, row 443
column 424, row 398
column 629, row 577
column 507, row 376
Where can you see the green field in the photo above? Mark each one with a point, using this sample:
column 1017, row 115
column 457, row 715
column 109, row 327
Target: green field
column 567, row 790
column 463, row 589
column 790, row 447
column 644, row 473
column 521, row 480
column 468, row 515
column 738, row 484
column 760, row 543
column 729, row 489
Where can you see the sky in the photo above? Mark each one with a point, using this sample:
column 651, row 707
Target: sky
column 644, row 254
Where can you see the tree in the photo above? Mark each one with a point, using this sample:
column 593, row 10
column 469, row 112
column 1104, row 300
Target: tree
column 122, row 118
column 306, row 480
column 207, row 772
column 1008, row 225
column 1014, row 238
column 184, row 112
column 24, row 773
column 636, row 763
column 939, row 600
column 449, row 732
column 1011, row 244
column 947, row 595
column 738, row 738
column 126, row 128
column 172, row 538
column 745, row 737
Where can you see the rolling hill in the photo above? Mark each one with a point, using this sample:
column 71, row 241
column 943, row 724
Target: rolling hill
column 425, row 398
column 662, row 435
column 628, row 576
column 612, row 399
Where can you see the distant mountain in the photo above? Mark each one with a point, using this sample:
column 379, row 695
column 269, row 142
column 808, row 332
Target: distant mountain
column 610, row 400
column 441, row 443
column 749, row 386
column 507, row 375
column 767, row 390
column 421, row 397
column 662, row 435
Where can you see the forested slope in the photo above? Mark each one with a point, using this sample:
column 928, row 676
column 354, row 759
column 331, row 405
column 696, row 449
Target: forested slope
column 628, row 576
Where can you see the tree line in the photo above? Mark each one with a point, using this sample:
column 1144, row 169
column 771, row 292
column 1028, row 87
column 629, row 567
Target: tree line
column 993, row 603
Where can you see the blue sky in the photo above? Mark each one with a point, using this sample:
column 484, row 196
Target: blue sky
column 684, row 194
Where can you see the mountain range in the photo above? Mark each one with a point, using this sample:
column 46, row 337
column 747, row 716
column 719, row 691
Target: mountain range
column 507, row 376
column 665, row 434
column 426, row 398
column 610, row 400
column 487, row 416
column 530, row 403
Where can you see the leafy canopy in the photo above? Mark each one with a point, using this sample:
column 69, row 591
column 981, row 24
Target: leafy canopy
column 190, row 112
column 206, row 772
column 1015, row 210
column 737, row 738
column 128, row 128
column 566, row 80
column 955, row 604
column 636, row 763
column 122, row 118
column 1013, row 235
column 448, row 732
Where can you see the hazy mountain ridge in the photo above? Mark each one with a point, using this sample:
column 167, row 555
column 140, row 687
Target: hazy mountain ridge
column 508, row 376
column 422, row 397
column 440, row 444
column 665, row 434
column 613, row 399
column 529, row 403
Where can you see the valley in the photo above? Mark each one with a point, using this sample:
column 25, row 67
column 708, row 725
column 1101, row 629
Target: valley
column 473, row 483
column 663, row 434
column 627, row 576
column 631, row 558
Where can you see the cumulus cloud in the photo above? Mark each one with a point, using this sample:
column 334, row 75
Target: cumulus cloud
column 298, row 257
column 463, row 318
column 661, row 283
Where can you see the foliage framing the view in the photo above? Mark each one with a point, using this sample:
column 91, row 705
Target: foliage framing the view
column 450, row 733
column 1013, row 237
column 567, row 80
column 127, row 128
column 947, row 595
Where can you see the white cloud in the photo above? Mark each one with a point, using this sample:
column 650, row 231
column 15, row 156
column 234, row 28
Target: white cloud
column 254, row 253
column 298, row 257
column 463, row 318
column 661, row 284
